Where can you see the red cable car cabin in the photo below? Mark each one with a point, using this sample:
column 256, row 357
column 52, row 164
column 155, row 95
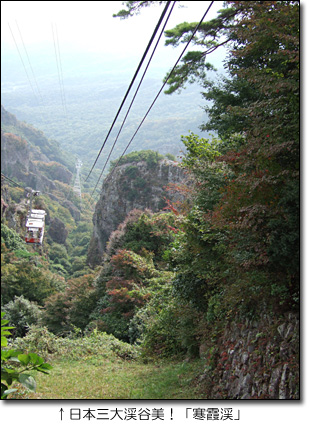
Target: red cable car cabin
column 35, row 226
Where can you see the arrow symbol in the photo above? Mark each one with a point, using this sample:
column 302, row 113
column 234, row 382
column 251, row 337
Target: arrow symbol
column 61, row 414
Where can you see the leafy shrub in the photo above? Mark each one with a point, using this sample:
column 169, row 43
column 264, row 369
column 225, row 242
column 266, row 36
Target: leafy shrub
column 21, row 313
column 133, row 271
column 71, row 308
column 122, row 289
column 76, row 348
column 78, row 263
column 191, row 288
column 15, row 364
column 144, row 231
column 59, row 269
column 117, row 237
column 57, row 251
column 55, row 314
column 151, row 157
column 27, row 279
column 11, row 239
column 165, row 326
column 23, row 253
column 170, row 331
column 16, row 194
column 38, row 339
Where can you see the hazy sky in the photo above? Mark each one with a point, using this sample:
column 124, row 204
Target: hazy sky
column 91, row 41
column 89, row 25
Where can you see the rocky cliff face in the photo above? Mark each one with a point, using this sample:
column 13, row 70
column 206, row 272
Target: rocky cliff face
column 17, row 161
column 24, row 155
column 139, row 185
column 42, row 148
column 29, row 157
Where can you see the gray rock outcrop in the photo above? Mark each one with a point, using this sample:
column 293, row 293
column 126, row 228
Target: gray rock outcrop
column 132, row 186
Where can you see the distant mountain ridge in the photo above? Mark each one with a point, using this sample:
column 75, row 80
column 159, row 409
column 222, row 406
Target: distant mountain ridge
column 94, row 93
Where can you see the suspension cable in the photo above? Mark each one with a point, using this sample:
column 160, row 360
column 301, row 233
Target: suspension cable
column 11, row 181
column 138, row 87
column 158, row 94
column 21, row 58
column 30, row 66
column 57, row 57
column 132, row 82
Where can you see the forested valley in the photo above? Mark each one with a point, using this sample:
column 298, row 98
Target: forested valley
column 196, row 295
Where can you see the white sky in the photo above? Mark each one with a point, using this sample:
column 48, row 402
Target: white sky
column 89, row 25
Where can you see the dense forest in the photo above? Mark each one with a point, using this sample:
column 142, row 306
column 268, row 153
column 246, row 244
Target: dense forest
column 183, row 283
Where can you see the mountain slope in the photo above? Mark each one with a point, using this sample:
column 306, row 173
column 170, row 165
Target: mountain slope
column 42, row 148
column 28, row 156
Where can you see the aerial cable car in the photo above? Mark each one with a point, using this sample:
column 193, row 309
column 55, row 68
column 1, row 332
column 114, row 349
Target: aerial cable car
column 35, row 221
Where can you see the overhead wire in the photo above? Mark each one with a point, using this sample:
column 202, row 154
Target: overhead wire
column 21, row 58
column 57, row 56
column 11, row 181
column 138, row 87
column 30, row 66
column 131, row 84
column 61, row 70
column 20, row 186
column 158, row 94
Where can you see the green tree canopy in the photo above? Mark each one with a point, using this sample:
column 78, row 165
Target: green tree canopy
column 242, row 232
